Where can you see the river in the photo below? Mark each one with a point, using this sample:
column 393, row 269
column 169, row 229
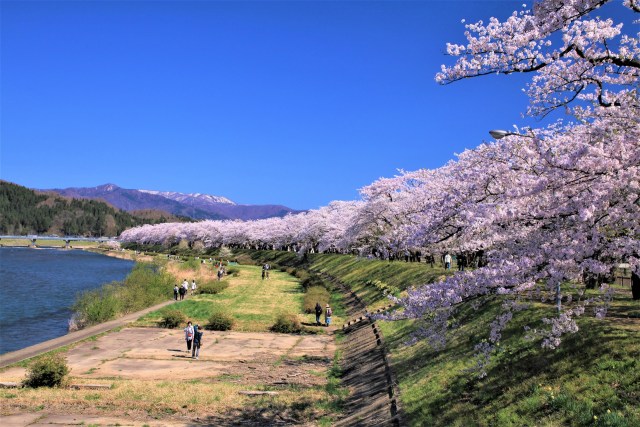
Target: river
column 40, row 285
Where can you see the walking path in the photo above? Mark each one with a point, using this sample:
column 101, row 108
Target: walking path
column 373, row 390
column 73, row 337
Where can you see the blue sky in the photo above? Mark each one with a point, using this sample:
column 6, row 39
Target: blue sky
column 264, row 102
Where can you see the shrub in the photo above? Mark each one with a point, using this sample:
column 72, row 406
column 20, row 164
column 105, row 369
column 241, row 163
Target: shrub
column 219, row 321
column 212, row 287
column 146, row 285
column 313, row 295
column 287, row 323
column 233, row 272
column 301, row 274
column 313, row 280
column 48, row 371
column 172, row 319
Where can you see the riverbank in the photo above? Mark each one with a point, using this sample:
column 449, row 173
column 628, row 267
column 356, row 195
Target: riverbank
column 17, row 356
column 146, row 376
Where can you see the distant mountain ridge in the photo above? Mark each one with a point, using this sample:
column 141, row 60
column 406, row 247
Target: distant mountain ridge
column 193, row 205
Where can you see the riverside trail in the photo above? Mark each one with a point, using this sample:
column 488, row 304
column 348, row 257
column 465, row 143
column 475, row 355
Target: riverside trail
column 73, row 337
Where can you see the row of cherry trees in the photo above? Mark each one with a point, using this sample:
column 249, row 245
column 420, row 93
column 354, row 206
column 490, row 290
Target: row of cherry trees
column 546, row 207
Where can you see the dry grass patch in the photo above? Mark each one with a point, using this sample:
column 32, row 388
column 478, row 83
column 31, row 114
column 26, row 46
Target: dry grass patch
column 153, row 398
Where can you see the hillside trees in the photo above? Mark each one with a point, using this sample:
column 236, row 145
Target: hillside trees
column 24, row 211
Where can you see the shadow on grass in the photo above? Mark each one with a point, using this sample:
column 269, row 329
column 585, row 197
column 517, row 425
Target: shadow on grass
column 599, row 352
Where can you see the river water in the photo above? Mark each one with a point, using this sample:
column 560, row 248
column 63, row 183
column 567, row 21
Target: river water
column 40, row 285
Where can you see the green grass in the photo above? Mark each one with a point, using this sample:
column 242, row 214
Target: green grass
column 593, row 379
column 252, row 302
column 595, row 373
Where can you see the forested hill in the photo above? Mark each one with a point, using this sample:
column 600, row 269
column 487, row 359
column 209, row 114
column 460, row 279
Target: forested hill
column 24, row 211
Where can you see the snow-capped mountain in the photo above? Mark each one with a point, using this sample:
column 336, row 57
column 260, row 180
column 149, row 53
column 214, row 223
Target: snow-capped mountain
column 190, row 198
column 194, row 205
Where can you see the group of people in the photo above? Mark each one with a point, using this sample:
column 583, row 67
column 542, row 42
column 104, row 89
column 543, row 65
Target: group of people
column 193, row 337
column 327, row 314
column 182, row 290
column 265, row 271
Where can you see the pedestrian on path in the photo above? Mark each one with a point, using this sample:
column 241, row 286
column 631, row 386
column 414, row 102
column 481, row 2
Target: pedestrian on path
column 327, row 315
column 185, row 287
column 318, row 313
column 188, row 335
column 197, row 341
column 193, row 286
column 175, row 292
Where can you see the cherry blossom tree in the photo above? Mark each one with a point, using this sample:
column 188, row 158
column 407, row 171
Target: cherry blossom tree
column 551, row 210
column 550, row 206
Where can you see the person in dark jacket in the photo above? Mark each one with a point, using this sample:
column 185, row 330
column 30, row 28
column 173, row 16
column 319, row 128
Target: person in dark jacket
column 318, row 313
column 197, row 341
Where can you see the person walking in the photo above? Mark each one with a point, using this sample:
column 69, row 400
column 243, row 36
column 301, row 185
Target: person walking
column 185, row 285
column 462, row 262
column 220, row 273
column 175, row 293
column 447, row 261
column 327, row 315
column 193, row 286
column 197, row 341
column 318, row 313
column 188, row 335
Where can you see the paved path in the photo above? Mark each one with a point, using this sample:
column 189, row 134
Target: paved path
column 72, row 337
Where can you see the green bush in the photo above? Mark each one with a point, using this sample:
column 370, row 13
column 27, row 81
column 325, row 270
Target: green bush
column 172, row 319
column 313, row 280
column 219, row 321
column 146, row 285
column 287, row 323
column 302, row 274
column 313, row 295
column 48, row 371
column 212, row 287
column 231, row 271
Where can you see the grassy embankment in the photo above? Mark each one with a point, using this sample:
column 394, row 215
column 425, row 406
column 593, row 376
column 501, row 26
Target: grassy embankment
column 254, row 304
column 593, row 379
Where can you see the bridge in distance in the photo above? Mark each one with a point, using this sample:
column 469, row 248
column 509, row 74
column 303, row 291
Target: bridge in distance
column 66, row 239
